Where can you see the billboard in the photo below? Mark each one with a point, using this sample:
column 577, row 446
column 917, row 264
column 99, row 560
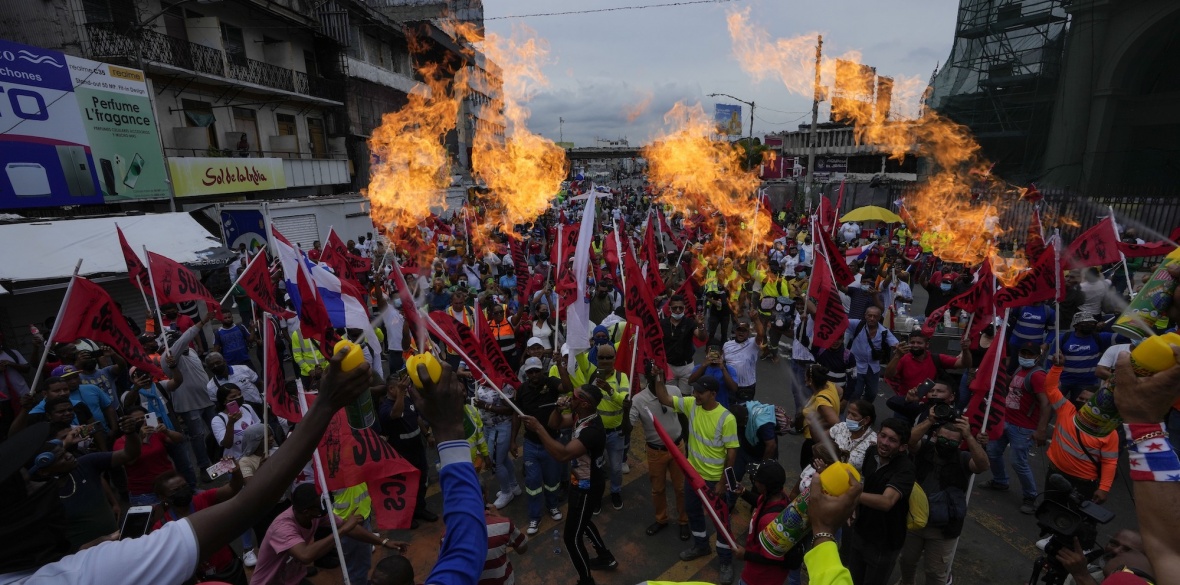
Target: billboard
column 75, row 131
column 195, row 176
column 728, row 119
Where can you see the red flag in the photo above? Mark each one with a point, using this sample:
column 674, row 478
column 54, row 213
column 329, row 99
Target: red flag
column 694, row 479
column 521, row 266
column 91, row 313
column 345, row 264
column 979, row 300
column 981, row 385
column 668, row 229
column 135, row 268
column 496, row 363
column 688, row 291
column 353, row 456
column 831, row 320
column 1097, row 246
column 281, row 403
column 610, row 254
column 459, row 338
column 641, row 312
column 1036, row 236
column 827, row 215
column 257, row 283
column 836, row 211
column 1133, row 250
column 654, row 282
column 1037, row 284
column 841, row 271
column 623, row 353
column 176, row 284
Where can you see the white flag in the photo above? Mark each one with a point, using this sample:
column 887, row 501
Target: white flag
column 577, row 318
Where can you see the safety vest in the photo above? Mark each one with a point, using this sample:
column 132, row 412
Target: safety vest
column 504, row 333
column 304, row 353
column 707, row 454
column 352, row 501
column 779, row 288
column 1031, row 324
column 610, row 408
column 467, row 319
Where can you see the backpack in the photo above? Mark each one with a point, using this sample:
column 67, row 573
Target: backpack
column 782, row 421
column 919, row 513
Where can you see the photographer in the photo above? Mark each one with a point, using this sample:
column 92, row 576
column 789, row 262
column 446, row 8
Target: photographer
column 917, row 403
column 944, row 472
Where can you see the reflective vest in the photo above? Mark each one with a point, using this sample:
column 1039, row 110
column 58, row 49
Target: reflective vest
column 352, row 501
column 304, row 353
column 504, row 333
column 467, row 319
column 1031, row 324
column 610, row 408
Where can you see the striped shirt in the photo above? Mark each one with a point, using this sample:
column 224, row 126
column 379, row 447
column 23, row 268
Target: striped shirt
column 502, row 534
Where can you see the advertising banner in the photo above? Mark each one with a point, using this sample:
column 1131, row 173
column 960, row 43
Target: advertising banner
column 728, row 119
column 194, row 176
column 74, row 131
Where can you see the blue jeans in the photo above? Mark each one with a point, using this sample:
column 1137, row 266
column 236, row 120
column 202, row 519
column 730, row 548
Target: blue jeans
column 497, row 437
column 182, row 462
column 695, row 509
column 864, row 386
column 1021, row 441
column 614, row 458
column 358, row 555
column 542, row 473
column 196, row 428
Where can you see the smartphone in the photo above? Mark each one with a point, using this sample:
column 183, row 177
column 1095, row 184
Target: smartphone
column 108, row 176
column 151, row 419
column 136, row 522
column 133, row 171
column 731, row 479
column 220, row 468
column 232, row 408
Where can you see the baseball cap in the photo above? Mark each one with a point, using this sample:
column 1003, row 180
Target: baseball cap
column 1028, row 346
column 64, row 372
column 1084, row 317
column 706, row 384
column 743, row 324
column 535, row 341
column 533, row 364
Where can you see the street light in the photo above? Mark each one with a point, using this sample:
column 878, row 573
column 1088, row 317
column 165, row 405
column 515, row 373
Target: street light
column 750, row 140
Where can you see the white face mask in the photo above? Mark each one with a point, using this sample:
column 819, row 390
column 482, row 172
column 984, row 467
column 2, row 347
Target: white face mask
column 677, row 315
column 1027, row 362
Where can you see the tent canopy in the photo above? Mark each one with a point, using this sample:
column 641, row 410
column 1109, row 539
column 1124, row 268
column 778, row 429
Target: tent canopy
column 871, row 213
column 48, row 250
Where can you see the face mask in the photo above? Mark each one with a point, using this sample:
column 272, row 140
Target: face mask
column 946, row 450
column 853, row 425
column 677, row 315
column 917, row 351
column 181, row 498
column 946, row 286
column 1027, row 362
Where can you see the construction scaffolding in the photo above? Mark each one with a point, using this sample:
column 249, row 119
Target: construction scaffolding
column 1001, row 79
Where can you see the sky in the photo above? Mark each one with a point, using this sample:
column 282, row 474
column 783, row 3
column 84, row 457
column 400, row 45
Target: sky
column 602, row 66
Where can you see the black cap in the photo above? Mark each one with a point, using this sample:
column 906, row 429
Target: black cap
column 706, row 384
column 771, row 472
column 304, row 497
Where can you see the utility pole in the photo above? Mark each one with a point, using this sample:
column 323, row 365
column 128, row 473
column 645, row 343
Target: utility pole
column 750, row 144
column 811, row 138
column 560, row 129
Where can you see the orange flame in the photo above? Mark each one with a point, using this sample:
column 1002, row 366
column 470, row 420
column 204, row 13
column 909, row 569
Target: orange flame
column 692, row 172
column 523, row 171
column 964, row 226
column 633, row 112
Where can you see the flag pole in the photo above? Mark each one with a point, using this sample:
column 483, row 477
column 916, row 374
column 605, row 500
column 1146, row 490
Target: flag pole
column 267, row 340
column 147, row 306
column 1122, row 257
column 459, row 350
column 156, row 300
column 325, row 494
column 1057, row 287
column 61, row 311
column 236, row 280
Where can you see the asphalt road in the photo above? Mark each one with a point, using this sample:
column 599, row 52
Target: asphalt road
column 997, row 545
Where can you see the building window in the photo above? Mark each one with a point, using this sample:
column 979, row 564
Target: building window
column 200, row 115
column 286, row 124
column 234, row 44
column 318, row 138
column 246, row 122
column 105, row 11
column 310, row 64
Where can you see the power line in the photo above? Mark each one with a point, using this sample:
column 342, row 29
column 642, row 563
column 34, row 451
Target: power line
column 615, row 9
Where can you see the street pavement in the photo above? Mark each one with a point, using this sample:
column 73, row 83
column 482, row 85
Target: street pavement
column 998, row 544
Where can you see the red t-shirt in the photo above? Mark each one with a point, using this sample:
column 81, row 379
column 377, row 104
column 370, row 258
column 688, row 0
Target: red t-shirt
column 911, row 372
column 1021, row 404
column 183, row 322
column 153, row 460
column 761, row 572
column 224, row 557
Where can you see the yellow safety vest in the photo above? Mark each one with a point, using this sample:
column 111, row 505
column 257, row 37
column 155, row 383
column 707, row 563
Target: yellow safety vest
column 352, row 501
column 610, row 409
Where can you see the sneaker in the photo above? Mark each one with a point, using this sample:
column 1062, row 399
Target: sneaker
column 694, row 553
column 626, row 468
column 502, row 500
column 1028, row 506
column 554, row 513
column 534, row 527
column 616, row 500
column 726, row 577
column 249, row 559
column 604, row 562
column 991, row 484
column 516, row 490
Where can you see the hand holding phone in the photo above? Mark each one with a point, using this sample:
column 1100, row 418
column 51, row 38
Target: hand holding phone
column 136, row 522
column 232, row 408
column 731, row 479
column 151, row 420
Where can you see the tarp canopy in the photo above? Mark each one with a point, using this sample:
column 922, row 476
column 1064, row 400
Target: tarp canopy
column 48, row 250
column 871, row 213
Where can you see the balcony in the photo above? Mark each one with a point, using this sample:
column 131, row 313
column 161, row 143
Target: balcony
column 105, row 42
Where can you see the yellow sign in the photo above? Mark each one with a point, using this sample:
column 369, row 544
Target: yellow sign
column 195, row 176
column 128, row 74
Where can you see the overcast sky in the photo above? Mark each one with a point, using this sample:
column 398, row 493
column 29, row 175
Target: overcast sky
column 605, row 65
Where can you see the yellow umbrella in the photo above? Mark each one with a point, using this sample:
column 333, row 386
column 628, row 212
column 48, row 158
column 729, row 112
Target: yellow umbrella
column 871, row 213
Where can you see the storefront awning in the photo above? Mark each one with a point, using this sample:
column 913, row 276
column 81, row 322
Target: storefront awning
column 48, row 250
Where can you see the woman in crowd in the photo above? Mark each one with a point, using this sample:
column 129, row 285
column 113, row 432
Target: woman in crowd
column 821, row 412
column 229, row 426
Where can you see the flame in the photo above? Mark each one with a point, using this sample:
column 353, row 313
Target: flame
column 523, row 171
column 692, row 172
column 633, row 112
column 960, row 201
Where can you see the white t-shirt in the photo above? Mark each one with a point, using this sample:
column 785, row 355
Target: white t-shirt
column 1094, row 293
column 242, row 377
column 167, row 555
column 743, row 357
column 249, row 419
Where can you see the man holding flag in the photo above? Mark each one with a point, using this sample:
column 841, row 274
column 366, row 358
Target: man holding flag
column 712, row 447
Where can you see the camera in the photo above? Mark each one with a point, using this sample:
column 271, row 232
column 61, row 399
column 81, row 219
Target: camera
column 944, row 413
column 1062, row 516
